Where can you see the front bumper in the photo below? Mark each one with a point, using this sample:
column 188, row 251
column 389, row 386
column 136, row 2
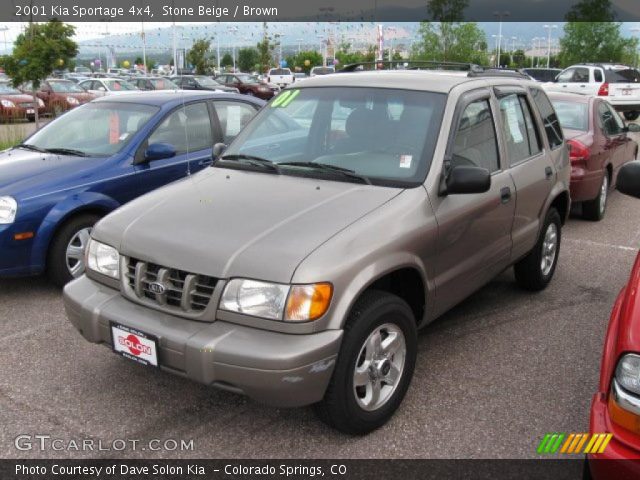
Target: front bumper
column 275, row 368
column 621, row 458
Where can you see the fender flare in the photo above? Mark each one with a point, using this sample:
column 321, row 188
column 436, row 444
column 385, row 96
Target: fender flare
column 373, row 272
column 71, row 205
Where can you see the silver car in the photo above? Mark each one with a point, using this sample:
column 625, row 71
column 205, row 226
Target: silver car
column 353, row 210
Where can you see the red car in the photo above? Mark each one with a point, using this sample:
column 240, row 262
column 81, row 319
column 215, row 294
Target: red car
column 15, row 105
column 616, row 407
column 62, row 95
column 599, row 145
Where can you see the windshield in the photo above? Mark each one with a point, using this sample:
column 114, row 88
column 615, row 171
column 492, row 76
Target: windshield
column 118, row 85
column 65, row 87
column 572, row 115
column 7, row 89
column 113, row 125
column 248, row 78
column 206, row 81
column 163, row 84
column 386, row 135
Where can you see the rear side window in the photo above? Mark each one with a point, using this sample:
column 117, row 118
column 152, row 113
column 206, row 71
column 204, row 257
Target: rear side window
column 581, row 75
column 597, row 75
column 551, row 124
column 627, row 75
column 609, row 120
column 519, row 129
column 475, row 143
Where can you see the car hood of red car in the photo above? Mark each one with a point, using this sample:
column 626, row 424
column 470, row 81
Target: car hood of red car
column 17, row 98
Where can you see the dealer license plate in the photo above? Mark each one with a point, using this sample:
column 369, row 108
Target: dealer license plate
column 134, row 344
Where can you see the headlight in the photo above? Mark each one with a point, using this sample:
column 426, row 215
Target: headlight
column 73, row 100
column 103, row 259
column 40, row 103
column 7, row 103
column 628, row 373
column 275, row 301
column 8, row 209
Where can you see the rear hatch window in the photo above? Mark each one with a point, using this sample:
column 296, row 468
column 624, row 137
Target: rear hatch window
column 628, row 75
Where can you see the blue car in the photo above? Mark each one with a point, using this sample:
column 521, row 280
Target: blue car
column 62, row 179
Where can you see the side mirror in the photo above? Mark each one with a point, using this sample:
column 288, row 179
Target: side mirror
column 462, row 180
column 158, row 151
column 217, row 150
column 628, row 181
column 633, row 128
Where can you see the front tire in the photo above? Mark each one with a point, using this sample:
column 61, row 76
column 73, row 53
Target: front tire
column 66, row 254
column 594, row 209
column 375, row 365
column 535, row 271
column 631, row 116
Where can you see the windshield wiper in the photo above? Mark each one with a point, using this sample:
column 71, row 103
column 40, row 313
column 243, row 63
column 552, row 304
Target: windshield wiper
column 28, row 146
column 67, row 151
column 330, row 168
column 253, row 160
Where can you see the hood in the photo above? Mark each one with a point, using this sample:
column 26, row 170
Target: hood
column 227, row 223
column 18, row 98
column 27, row 171
column 82, row 96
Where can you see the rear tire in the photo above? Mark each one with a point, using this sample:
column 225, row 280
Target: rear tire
column 535, row 271
column 631, row 116
column 65, row 259
column 595, row 209
column 378, row 354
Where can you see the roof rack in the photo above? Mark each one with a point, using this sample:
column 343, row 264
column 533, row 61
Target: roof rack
column 410, row 65
column 500, row 72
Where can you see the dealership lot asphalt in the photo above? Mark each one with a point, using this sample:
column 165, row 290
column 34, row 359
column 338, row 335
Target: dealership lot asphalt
column 493, row 375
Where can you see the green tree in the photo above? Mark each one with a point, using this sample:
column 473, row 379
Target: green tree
column 38, row 51
column 265, row 49
column 305, row 60
column 227, row 60
column 447, row 10
column 199, row 56
column 138, row 61
column 248, row 58
column 451, row 42
column 596, row 42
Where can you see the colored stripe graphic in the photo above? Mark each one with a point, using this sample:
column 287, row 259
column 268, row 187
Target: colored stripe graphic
column 574, row 443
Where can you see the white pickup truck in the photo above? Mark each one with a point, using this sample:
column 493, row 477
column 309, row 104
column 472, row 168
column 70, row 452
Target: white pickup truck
column 280, row 76
column 619, row 84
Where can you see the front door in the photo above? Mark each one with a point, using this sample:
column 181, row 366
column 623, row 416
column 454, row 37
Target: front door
column 474, row 230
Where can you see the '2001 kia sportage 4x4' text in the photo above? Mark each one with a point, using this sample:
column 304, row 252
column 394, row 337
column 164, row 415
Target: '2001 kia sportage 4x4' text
column 353, row 210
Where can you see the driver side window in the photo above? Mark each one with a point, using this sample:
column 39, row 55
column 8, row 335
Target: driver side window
column 475, row 142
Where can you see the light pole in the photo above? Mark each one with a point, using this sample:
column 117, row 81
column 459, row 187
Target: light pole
column 144, row 49
column 500, row 16
column 549, row 28
column 233, row 47
column 299, row 40
column 390, row 30
column 497, row 37
column 533, row 51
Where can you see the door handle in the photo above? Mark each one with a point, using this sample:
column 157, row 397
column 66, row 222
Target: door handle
column 505, row 194
column 548, row 172
column 205, row 162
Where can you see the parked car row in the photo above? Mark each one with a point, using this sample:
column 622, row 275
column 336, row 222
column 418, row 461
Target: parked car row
column 335, row 222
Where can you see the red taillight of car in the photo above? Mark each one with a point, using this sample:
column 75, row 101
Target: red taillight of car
column 604, row 90
column 578, row 153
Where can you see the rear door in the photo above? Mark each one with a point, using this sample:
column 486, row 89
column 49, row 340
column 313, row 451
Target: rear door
column 624, row 84
column 474, row 230
column 617, row 144
column 530, row 165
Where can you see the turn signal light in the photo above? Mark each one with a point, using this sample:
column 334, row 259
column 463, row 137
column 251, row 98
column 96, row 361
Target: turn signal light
column 578, row 152
column 604, row 90
column 622, row 417
column 308, row 302
column 23, row 236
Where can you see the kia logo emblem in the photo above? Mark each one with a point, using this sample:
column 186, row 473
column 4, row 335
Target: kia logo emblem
column 156, row 288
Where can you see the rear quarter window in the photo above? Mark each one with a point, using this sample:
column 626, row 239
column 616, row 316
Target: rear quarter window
column 628, row 75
